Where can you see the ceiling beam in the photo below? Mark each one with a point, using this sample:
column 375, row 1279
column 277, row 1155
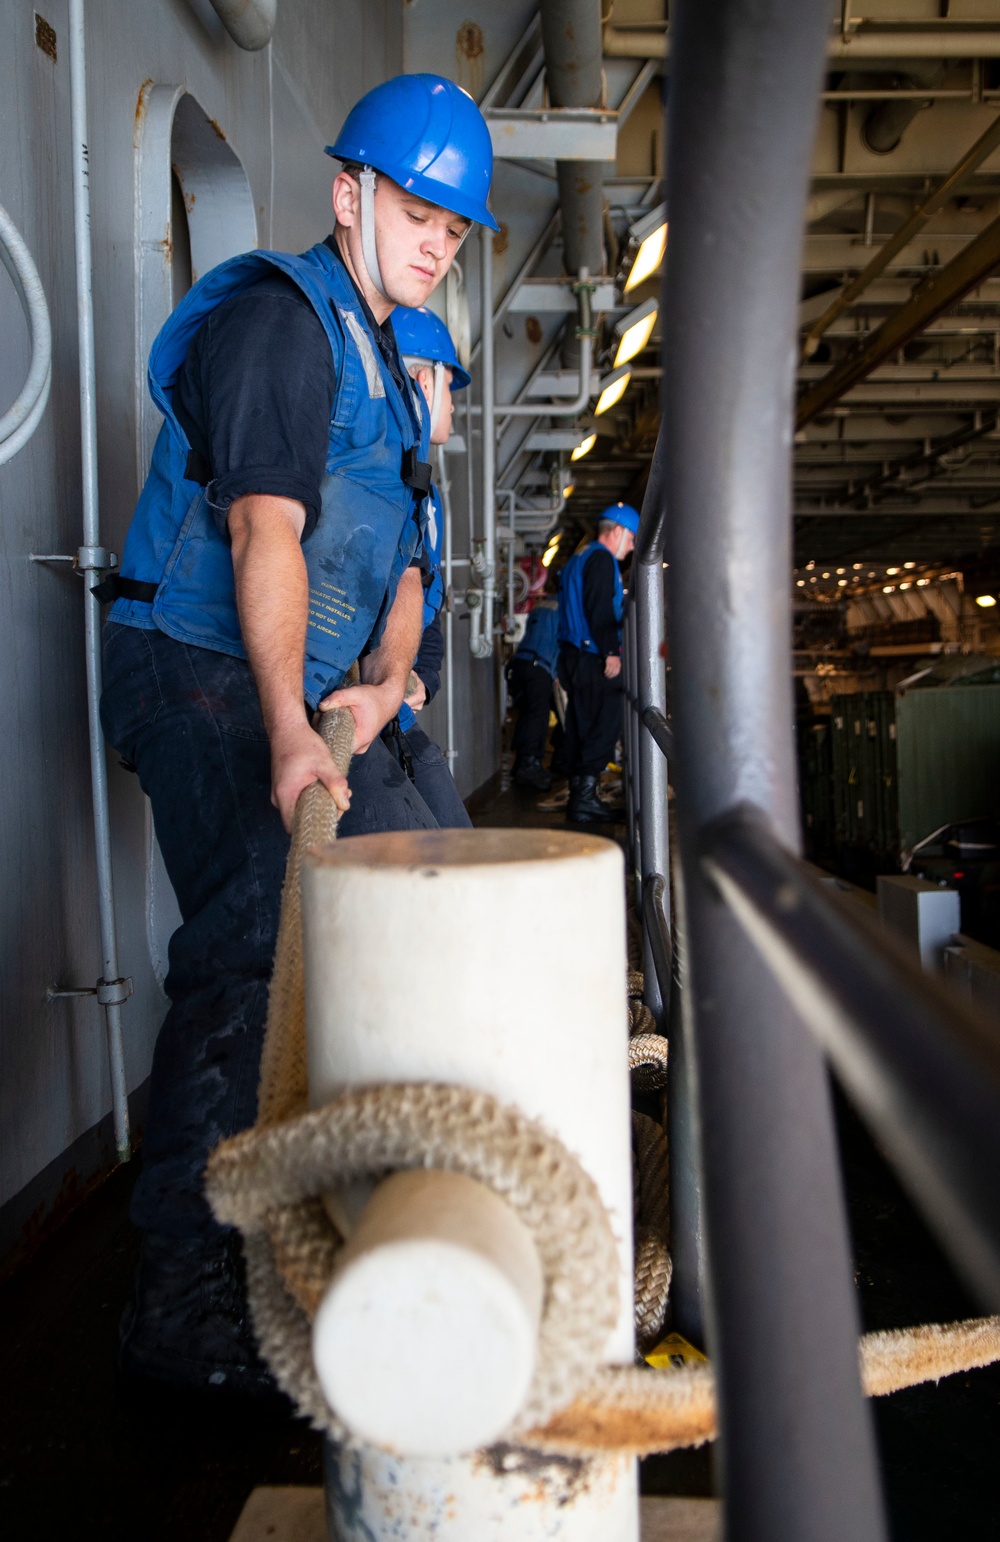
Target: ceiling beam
column 929, row 300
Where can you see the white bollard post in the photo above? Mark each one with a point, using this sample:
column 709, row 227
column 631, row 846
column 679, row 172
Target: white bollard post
column 493, row 960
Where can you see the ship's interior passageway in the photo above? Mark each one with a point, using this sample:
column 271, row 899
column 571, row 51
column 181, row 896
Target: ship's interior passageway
column 500, row 635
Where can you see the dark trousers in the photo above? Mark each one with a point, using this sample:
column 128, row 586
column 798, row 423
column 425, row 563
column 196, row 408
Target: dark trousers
column 593, row 713
column 531, row 695
column 422, row 760
column 188, row 719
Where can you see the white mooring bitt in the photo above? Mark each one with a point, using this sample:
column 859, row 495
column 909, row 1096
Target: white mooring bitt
column 493, row 960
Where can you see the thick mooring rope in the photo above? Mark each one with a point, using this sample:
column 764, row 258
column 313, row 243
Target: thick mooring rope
column 268, row 1180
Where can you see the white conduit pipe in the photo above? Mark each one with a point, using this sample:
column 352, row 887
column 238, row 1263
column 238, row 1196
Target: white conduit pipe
column 481, row 629
column 249, row 23
column 444, row 487
column 112, row 991
column 565, row 409
column 20, row 420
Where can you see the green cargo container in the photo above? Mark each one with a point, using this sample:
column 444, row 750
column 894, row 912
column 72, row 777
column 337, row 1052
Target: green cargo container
column 901, row 766
column 948, row 747
column 864, row 771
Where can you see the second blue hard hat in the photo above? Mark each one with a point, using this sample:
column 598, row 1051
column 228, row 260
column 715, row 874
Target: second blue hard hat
column 429, row 136
column 422, row 335
column 622, row 514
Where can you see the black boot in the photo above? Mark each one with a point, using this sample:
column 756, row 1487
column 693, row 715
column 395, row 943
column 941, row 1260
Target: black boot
column 529, row 772
column 188, row 1325
column 585, row 807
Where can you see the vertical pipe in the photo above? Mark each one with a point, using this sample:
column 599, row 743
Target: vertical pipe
column 634, row 732
column 626, row 733
column 470, row 474
column 444, row 486
column 511, row 514
column 796, row 1439
column 651, row 690
column 91, row 562
column 488, row 444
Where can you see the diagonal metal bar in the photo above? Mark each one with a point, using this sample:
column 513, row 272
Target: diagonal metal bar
column 923, row 1070
column 947, row 188
column 931, row 299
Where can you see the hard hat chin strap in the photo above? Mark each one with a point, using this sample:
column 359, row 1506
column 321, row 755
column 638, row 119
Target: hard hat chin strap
column 619, row 554
column 369, row 246
column 437, row 395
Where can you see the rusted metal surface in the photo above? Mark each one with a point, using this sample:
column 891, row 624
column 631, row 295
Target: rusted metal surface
column 45, row 37
column 510, row 1492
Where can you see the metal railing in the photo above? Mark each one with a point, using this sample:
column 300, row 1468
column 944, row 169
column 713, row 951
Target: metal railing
column 762, row 979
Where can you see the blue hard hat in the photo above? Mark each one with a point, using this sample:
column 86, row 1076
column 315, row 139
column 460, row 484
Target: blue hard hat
column 422, row 335
column 428, row 135
column 622, row 514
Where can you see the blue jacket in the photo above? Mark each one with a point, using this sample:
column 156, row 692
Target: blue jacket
column 371, row 520
column 573, row 625
column 541, row 636
column 434, row 592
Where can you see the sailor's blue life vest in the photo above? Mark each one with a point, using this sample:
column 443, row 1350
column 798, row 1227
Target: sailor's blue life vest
column 434, row 591
column 573, row 627
column 371, row 520
column 540, row 642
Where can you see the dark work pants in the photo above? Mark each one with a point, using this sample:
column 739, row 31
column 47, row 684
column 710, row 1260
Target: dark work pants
column 189, row 720
column 593, row 713
column 531, row 694
column 431, row 777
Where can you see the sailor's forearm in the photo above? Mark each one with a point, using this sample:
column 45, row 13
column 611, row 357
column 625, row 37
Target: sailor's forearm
column 388, row 666
column 272, row 599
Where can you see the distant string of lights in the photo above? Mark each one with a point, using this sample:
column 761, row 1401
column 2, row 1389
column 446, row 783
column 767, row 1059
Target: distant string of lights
column 828, row 585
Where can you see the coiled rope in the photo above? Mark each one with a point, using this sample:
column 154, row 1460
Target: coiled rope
column 267, row 1181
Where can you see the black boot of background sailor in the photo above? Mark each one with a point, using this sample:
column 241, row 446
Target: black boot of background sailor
column 585, row 807
column 529, row 772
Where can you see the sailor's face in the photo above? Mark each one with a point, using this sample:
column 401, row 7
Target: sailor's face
column 417, row 242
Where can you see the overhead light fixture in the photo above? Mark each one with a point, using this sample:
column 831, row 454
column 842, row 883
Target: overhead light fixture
column 892, row 572
column 800, row 583
column 635, row 330
column 650, row 235
column 909, row 564
column 550, row 551
column 888, row 588
column 584, row 448
column 986, row 600
column 921, row 582
column 613, row 388
column 568, row 489
column 907, row 585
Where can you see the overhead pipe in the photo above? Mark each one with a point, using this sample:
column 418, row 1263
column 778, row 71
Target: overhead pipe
column 571, row 42
column 869, row 40
column 797, row 1445
column 250, row 23
column 112, row 991
column 886, row 122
